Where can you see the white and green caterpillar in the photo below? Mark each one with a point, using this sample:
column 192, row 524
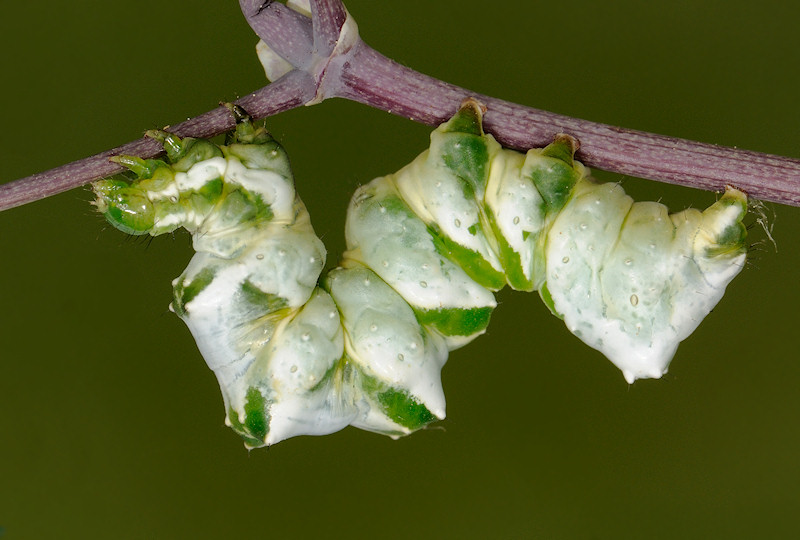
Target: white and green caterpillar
column 427, row 246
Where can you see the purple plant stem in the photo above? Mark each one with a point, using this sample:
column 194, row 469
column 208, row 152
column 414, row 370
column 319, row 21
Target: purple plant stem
column 327, row 20
column 288, row 92
column 286, row 31
column 370, row 78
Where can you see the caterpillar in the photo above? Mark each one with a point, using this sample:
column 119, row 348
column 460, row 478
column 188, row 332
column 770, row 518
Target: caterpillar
column 426, row 248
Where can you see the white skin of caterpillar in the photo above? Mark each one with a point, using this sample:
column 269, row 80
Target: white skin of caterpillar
column 424, row 254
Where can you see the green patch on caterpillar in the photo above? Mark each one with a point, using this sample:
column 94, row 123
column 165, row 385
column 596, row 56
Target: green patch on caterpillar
column 183, row 292
column 253, row 429
column 456, row 322
column 398, row 405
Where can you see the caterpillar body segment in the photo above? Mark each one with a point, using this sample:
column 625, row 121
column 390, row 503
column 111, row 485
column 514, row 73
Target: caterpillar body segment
column 633, row 281
column 394, row 361
column 249, row 295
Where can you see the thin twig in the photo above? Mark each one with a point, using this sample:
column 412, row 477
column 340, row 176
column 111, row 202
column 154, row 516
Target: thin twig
column 327, row 20
column 293, row 90
column 370, row 78
column 287, row 32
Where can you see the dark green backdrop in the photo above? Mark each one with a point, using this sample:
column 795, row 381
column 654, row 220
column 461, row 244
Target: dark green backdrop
column 111, row 425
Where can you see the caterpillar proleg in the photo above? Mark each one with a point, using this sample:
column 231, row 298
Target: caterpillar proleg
column 427, row 247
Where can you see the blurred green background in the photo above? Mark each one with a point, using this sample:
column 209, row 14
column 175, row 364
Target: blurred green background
column 112, row 426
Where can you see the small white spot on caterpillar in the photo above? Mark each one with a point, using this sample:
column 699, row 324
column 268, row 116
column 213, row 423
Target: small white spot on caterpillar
column 362, row 196
column 331, row 314
column 584, row 226
column 628, row 262
column 413, row 346
column 366, row 282
column 373, row 328
column 385, row 264
column 425, row 266
column 383, row 209
column 306, row 336
column 282, row 252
